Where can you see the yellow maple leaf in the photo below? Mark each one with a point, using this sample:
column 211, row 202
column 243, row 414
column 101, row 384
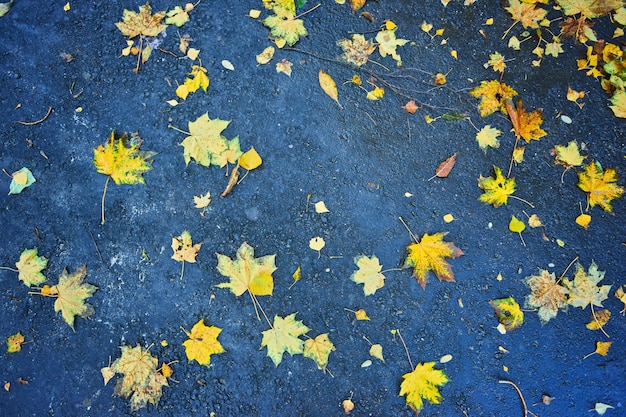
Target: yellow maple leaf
column 142, row 23
column 184, row 249
column 247, row 273
column 589, row 8
column 488, row 136
column 568, row 156
column 71, row 293
column 142, row 382
column 284, row 25
column 584, row 289
column 124, row 164
column 496, row 189
column 369, row 274
column 429, row 255
column 14, row 342
column 421, row 384
column 526, row 13
column 546, row 295
column 202, row 343
column 357, row 50
column 284, row 336
column 30, row 266
column 387, row 44
column 497, row 62
column 621, row 295
column 492, row 96
column 205, row 142
column 319, row 350
column 619, row 103
column 600, row 185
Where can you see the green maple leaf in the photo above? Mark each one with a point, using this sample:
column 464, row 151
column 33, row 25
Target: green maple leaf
column 284, row 25
column 284, row 337
column 496, row 189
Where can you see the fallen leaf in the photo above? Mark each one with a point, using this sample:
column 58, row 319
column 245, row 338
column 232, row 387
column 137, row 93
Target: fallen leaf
column 202, row 201
column 184, row 249
column 444, row 168
column 602, row 349
column 621, row 295
column 518, row 154
column 202, row 343
column 71, row 293
column 14, row 342
column 318, row 350
column 30, row 266
column 589, row 9
column 534, row 221
column 177, row 16
column 360, row 314
column 317, row 243
column 124, row 164
column 356, row 51
column 421, row 384
column 284, row 25
column 599, row 319
column 320, row 207
column 265, row 56
column 493, row 95
column 142, row 383
column 429, row 255
column 356, row 4
column 284, row 336
column 328, row 85
column 250, row 160
column 142, row 23
column 445, row 358
column 247, row 273
column 369, row 274
column 526, row 125
column 20, row 180
column 584, row 289
column 410, row 107
column 583, row 220
column 546, row 295
column 284, row 66
column 496, row 189
column 228, row 65
column 376, row 94
column 601, row 408
column 448, row 218
column 568, row 156
column 5, row 7
column 388, row 43
column 488, row 137
column 600, row 185
column 376, row 351
column 205, row 142
column 508, row 312
column 254, row 13
column 348, row 405
column 107, row 373
column 526, row 13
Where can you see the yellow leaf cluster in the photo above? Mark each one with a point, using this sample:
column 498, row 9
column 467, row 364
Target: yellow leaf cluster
column 422, row 384
column 429, row 255
column 600, row 185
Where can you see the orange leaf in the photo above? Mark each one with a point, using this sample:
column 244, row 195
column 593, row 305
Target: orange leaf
column 410, row 107
column 445, row 167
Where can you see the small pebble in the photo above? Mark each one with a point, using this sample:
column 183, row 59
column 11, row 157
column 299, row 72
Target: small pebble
column 566, row 119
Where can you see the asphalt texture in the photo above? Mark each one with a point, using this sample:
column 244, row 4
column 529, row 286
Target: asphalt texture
column 369, row 161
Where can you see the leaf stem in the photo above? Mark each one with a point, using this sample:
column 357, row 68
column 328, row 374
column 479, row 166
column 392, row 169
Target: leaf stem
column 566, row 269
column 407, row 228
column 405, row 349
column 182, row 270
column 522, row 200
column 179, row 130
column 391, row 269
column 9, row 269
column 104, row 193
column 308, row 11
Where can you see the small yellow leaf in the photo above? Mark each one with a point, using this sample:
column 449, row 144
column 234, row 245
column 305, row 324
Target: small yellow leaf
column 360, row 314
column 265, row 56
column 284, row 66
column 172, row 103
column 347, row 404
column 505, row 368
column 454, row 54
column 320, row 207
column 356, row 80
column 440, row 79
column 254, row 13
column 376, row 93
column 164, row 343
column 107, row 373
column 182, row 91
column 439, row 32
column 376, row 351
column 389, row 25
column 297, row 275
column 583, row 220
column 560, row 242
column 317, row 243
column 448, row 218
column 280, row 42
column 489, row 21
column 445, row 358
column 193, row 53
column 202, row 201
column 602, row 348
column 518, row 154
column 202, row 343
column 621, row 295
column 167, row 370
column 516, row 225
column 250, row 160
column 67, row 7
column 499, row 277
column 601, row 408
column 426, row 27
column 328, row 85
column 14, row 342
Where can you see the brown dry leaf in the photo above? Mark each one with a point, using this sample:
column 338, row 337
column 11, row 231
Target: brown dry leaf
column 546, row 294
column 410, row 107
column 284, row 66
column 601, row 318
column 445, row 167
column 526, row 125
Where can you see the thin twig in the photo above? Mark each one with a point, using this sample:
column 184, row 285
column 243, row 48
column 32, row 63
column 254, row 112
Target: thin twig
column 522, row 200
column 38, row 121
column 407, row 228
column 96, row 245
column 593, row 313
column 521, row 397
column 308, row 11
column 104, row 193
column 405, row 349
